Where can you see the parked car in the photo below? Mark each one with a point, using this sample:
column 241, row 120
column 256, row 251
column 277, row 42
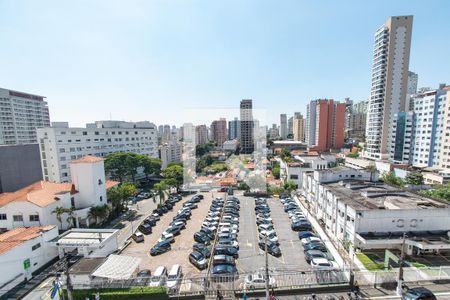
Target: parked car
column 155, row 216
column 301, row 226
column 310, row 254
column 224, row 250
column 418, row 293
column 205, row 250
column 150, row 221
column 228, row 242
column 270, row 235
column 159, row 277
column 138, row 237
column 145, row 228
column 309, row 240
column 323, row 264
column 174, row 277
column 272, row 248
column 223, row 260
column 198, row 259
column 168, row 237
column 315, row 246
column 201, row 237
column 143, row 276
column 305, row 234
column 160, row 248
column 174, row 230
column 258, row 281
column 227, row 271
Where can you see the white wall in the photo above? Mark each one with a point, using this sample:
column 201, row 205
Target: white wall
column 86, row 177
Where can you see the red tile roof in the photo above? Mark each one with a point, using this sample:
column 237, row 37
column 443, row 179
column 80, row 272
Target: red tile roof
column 86, row 159
column 17, row 236
column 41, row 193
column 111, row 183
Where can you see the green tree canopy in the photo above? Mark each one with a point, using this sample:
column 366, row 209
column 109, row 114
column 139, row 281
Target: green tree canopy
column 414, row 178
column 174, row 173
column 290, row 185
column 391, row 179
column 276, row 171
column 118, row 195
column 201, row 150
column 438, row 192
column 151, row 165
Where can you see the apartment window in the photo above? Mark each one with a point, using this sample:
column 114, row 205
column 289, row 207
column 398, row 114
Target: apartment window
column 34, row 218
column 3, row 217
column 64, row 174
column 62, row 150
column 294, row 177
column 84, row 132
column 37, row 246
column 101, row 198
column 17, row 218
column 72, row 201
column 96, row 133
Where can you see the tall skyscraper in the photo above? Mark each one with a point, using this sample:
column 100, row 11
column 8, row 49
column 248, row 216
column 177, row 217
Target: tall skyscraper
column 290, row 126
column 247, row 143
column 21, row 114
column 356, row 119
column 283, row 126
column 413, row 80
column 389, row 82
column 234, row 129
column 329, row 123
column 299, row 128
column 167, row 134
column 201, row 135
column 445, row 143
column 310, row 126
column 219, row 131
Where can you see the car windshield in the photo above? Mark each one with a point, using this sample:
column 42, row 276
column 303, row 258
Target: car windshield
column 172, row 277
column 155, row 278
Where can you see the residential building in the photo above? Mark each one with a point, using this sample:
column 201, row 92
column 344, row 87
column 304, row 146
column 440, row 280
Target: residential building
column 219, row 131
column 20, row 115
column 429, row 114
column 402, row 137
column 290, row 124
column 201, row 134
column 273, row 132
column 24, row 251
column 170, row 151
column 302, row 165
column 389, row 82
column 160, row 131
column 246, row 111
column 230, row 145
column 283, row 126
column 299, row 129
column 413, row 79
column 35, row 204
column 356, row 119
column 329, row 119
column 234, row 129
column 20, row 166
column 357, row 210
column 167, row 133
column 310, row 127
column 445, row 143
column 278, row 146
column 60, row 143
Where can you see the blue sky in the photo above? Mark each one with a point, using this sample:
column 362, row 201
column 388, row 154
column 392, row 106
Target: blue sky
column 152, row 60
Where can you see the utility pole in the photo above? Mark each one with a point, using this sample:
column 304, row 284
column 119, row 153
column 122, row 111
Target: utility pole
column 400, row 268
column 267, row 268
column 68, row 283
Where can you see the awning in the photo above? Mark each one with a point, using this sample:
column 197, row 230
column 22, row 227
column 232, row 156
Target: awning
column 117, row 267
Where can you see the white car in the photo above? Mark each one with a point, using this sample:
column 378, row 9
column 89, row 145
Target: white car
column 258, row 281
column 228, row 230
column 271, row 236
column 311, row 239
column 166, row 237
column 212, row 219
column 229, row 218
column 323, row 264
column 210, row 228
column 233, row 244
column 213, row 213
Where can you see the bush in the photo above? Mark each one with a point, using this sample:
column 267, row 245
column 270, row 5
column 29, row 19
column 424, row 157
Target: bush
column 368, row 263
column 155, row 293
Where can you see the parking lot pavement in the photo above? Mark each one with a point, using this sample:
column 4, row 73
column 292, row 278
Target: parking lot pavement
column 182, row 246
column 251, row 258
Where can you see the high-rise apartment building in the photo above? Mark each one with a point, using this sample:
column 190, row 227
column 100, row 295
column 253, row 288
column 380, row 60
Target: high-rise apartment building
column 20, row 115
column 329, row 123
column 201, row 135
column 167, row 133
column 413, row 80
column 246, row 111
column 290, row 124
column 389, row 82
column 299, row 128
column 219, row 131
column 234, row 129
column 402, row 137
column 356, row 119
column 170, row 151
column 310, row 126
column 283, row 126
column 445, row 135
column 60, row 143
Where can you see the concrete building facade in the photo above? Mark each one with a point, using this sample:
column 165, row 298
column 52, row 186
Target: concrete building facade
column 247, row 134
column 219, row 131
column 234, row 129
column 60, row 144
column 20, row 115
column 299, row 129
column 283, row 126
column 402, row 138
column 171, row 151
column 201, row 135
column 389, row 82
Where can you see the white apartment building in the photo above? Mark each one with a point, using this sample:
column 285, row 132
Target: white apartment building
column 445, row 142
column 35, row 204
column 389, row 82
column 60, row 143
column 20, row 115
column 402, row 137
column 370, row 214
column 230, row 145
column 24, row 251
column 295, row 171
column 283, row 126
column 429, row 109
column 170, row 151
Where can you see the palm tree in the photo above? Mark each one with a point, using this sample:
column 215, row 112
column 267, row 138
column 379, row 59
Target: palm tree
column 99, row 213
column 70, row 218
column 59, row 211
column 161, row 188
column 372, row 169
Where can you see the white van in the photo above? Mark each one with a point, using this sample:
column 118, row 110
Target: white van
column 159, row 277
column 174, row 277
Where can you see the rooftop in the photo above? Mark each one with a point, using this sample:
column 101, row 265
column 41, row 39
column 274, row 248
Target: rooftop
column 362, row 195
column 84, row 237
column 87, row 265
column 41, row 193
column 17, row 236
column 87, row 159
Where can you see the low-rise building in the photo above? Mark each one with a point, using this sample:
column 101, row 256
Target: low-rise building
column 231, row 145
column 24, row 251
column 37, row 204
column 302, row 165
column 171, row 151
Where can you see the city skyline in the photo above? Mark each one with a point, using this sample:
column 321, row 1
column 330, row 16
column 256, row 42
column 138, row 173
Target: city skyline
column 151, row 54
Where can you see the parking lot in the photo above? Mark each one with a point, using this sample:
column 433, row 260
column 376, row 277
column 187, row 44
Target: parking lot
column 251, row 258
column 183, row 242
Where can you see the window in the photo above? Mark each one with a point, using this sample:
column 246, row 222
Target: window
column 72, row 201
column 34, row 218
column 294, row 176
column 18, row 218
column 3, row 217
column 37, row 246
column 101, row 198
column 100, row 182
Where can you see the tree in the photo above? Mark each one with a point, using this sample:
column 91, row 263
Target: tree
column 243, row 186
column 118, row 195
column 286, row 155
column 276, row 171
column 151, row 165
column 414, row 178
column 201, row 150
column 391, row 179
column 161, row 190
column 353, row 155
column 290, row 186
column 174, row 172
column 70, row 216
column 99, row 213
column 59, row 211
column 372, row 169
column 441, row 192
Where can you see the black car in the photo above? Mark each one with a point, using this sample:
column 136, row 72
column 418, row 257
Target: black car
column 418, row 293
column 150, row 221
column 224, row 272
column 289, row 208
column 197, row 259
column 231, row 251
column 301, row 226
column 143, row 276
column 315, row 246
column 160, row 248
column 200, row 196
column 168, row 205
column 223, row 260
column 159, row 211
column 145, row 228
column 201, row 237
column 272, row 248
column 175, row 230
column 205, row 250
column 310, row 254
column 208, row 232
